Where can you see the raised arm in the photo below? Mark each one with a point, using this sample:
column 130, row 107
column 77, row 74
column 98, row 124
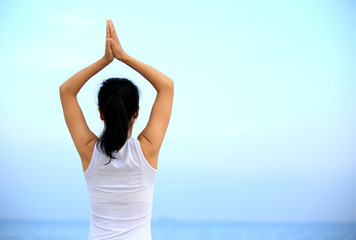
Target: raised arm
column 81, row 134
column 151, row 137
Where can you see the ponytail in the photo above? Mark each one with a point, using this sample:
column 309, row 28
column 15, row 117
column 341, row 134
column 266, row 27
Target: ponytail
column 116, row 125
column 118, row 101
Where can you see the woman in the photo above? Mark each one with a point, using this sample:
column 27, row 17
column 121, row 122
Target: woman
column 119, row 170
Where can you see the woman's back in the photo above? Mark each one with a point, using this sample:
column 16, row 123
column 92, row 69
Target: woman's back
column 118, row 169
column 120, row 193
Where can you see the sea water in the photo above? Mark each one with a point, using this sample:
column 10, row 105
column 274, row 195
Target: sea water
column 178, row 230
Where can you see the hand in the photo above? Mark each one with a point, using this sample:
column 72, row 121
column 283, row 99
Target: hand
column 117, row 50
column 109, row 56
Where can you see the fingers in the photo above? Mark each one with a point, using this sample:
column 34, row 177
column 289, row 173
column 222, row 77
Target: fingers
column 110, row 41
column 108, row 45
column 113, row 32
column 107, row 30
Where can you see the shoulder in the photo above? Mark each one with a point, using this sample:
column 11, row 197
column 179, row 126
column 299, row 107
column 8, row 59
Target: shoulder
column 88, row 153
column 146, row 148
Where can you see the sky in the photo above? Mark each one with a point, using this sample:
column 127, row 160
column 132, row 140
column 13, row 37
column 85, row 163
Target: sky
column 263, row 121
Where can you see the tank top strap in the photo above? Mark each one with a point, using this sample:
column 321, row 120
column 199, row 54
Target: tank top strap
column 144, row 161
column 97, row 154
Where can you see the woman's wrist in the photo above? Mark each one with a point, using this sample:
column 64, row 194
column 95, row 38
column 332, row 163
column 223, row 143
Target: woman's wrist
column 123, row 58
column 105, row 60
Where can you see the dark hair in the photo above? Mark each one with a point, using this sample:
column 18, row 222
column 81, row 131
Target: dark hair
column 118, row 100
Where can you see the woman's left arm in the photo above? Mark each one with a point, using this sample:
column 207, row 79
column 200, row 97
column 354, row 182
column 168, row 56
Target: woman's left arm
column 77, row 126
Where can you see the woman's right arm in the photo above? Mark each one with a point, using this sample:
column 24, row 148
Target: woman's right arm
column 151, row 137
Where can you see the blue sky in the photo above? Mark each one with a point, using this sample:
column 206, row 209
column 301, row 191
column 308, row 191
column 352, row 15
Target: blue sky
column 263, row 123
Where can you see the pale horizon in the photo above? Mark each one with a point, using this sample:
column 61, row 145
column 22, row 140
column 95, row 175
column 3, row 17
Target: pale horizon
column 263, row 121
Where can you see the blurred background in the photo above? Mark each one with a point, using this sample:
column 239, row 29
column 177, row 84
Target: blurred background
column 263, row 123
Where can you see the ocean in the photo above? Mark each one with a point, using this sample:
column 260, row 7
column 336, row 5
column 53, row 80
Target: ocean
column 178, row 230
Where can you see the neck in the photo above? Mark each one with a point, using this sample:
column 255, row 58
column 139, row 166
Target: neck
column 129, row 134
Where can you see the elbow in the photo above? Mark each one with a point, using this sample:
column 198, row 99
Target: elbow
column 62, row 89
column 170, row 87
column 171, row 84
column 166, row 86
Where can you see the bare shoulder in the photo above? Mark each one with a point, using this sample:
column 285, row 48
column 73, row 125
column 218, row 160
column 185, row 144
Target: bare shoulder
column 148, row 151
column 88, row 153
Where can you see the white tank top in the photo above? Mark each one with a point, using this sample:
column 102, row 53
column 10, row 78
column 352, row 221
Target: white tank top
column 120, row 194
